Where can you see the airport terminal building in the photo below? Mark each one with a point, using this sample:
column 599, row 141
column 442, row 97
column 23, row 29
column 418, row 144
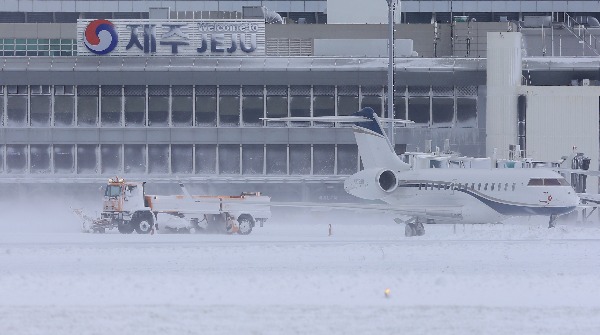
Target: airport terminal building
column 156, row 93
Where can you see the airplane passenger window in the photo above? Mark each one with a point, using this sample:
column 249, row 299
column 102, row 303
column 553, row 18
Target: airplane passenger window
column 473, row 186
column 492, row 187
column 439, row 186
column 514, row 186
column 506, row 187
column 485, row 187
column 479, row 187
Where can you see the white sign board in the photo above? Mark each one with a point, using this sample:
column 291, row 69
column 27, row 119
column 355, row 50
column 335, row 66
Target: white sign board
column 171, row 37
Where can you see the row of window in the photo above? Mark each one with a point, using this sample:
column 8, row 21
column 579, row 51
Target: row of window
column 225, row 159
column 225, row 106
column 467, row 186
column 492, row 186
column 38, row 47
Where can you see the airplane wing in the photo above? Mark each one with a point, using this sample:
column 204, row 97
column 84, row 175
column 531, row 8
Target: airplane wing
column 588, row 197
column 578, row 171
column 447, row 212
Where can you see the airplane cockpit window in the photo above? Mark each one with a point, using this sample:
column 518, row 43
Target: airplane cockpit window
column 555, row 182
column 551, row 182
column 536, row 182
column 547, row 182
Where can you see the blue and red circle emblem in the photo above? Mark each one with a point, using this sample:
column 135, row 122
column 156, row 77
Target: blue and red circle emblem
column 100, row 37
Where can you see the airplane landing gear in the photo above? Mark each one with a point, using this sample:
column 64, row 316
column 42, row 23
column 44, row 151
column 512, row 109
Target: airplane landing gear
column 552, row 222
column 414, row 227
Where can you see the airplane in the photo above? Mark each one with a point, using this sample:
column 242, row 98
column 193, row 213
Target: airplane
column 455, row 195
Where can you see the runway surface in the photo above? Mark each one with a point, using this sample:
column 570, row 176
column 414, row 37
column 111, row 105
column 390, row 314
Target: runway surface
column 292, row 278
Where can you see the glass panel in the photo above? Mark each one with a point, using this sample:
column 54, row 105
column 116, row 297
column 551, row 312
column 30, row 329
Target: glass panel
column 277, row 107
column 300, row 103
column 87, row 105
column 39, row 158
column 373, row 102
column 16, row 158
column 466, row 112
column 418, row 110
column 64, row 160
column 300, row 106
column 206, row 111
column 111, row 111
column 110, row 155
column 277, row 103
column 276, row 159
column 135, row 111
column 135, row 105
column 87, row 161
column 182, row 111
column 536, row 182
column 400, row 107
column 134, row 158
column 206, row 158
column 158, row 111
column 229, row 159
column 347, row 159
column 252, row 158
column 252, row 110
column 182, row 158
column 64, row 110
column 442, row 111
column 158, row 158
column 229, row 111
column 16, row 111
column 299, row 159
column 87, row 111
column 347, row 105
column 206, row 105
column 323, row 159
column 324, row 100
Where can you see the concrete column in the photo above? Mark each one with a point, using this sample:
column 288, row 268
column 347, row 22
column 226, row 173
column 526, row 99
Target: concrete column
column 503, row 82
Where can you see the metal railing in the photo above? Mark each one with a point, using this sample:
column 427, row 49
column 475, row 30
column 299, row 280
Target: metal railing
column 585, row 37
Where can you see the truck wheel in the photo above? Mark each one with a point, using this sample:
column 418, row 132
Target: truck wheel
column 245, row 224
column 144, row 225
column 125, row 227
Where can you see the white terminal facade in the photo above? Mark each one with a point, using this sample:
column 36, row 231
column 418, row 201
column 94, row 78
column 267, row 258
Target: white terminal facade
column 156, row 93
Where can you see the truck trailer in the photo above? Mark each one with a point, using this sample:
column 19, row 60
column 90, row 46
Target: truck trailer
column 128, row 208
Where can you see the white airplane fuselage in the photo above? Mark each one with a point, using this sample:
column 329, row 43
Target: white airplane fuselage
column 485, row 196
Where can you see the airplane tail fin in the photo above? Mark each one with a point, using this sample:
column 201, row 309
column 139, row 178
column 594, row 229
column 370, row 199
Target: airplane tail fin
column 374, row 147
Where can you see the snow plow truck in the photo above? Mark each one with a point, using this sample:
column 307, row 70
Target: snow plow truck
column 128, row 208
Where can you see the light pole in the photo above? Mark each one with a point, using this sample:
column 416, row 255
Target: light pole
column 390, row 74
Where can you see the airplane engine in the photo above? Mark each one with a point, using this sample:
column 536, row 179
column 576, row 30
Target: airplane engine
column 371, row 184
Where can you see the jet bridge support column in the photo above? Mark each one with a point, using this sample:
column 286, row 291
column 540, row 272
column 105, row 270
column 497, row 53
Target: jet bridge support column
column 503, row 81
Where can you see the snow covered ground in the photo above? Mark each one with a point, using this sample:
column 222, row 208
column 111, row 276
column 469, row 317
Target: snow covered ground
column 291, row 278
